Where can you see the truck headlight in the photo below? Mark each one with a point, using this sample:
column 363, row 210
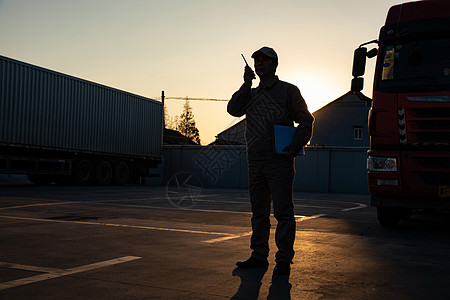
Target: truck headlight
column 381, row 164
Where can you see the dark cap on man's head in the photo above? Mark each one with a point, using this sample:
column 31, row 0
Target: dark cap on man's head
column 267, row 51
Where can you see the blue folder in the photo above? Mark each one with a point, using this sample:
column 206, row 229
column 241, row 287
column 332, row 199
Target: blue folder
column 283, row 137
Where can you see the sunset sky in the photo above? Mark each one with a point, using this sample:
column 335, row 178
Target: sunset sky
column 192, row 48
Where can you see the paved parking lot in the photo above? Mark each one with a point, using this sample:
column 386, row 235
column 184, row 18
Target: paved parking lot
column 138, row 242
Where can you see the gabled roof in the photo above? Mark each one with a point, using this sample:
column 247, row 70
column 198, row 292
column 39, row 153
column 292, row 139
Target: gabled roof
column 349, row 99
column 235, row 125
column 233, row 135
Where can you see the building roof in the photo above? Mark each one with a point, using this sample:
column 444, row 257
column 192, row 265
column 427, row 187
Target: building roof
column 348, row 99
column 233, row 135
column 173, row 137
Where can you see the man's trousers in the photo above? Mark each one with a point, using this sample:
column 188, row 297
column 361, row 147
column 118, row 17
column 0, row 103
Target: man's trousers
column 271, row 180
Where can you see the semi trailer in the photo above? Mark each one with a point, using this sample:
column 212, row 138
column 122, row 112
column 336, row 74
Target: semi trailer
column 63, row 129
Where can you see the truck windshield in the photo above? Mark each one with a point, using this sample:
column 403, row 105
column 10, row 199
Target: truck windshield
column 416, row 66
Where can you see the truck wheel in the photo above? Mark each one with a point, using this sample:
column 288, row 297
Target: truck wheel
column 121, row 173
column 103, row 172
column 84, row 172
column 388, row 216
column 40, row 179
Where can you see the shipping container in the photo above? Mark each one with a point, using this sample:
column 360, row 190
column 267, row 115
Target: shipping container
column 50, row 122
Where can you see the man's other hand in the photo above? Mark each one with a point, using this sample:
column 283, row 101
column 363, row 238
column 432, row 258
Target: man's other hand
column 291, row 151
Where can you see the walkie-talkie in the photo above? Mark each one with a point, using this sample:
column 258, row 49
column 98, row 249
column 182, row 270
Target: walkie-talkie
column 245, row 60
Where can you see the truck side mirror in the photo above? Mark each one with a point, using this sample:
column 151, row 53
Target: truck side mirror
column 357, row 84
column 359, row 61
column 359, row 67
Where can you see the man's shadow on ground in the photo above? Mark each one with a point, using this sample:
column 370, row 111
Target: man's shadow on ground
column 251, row 281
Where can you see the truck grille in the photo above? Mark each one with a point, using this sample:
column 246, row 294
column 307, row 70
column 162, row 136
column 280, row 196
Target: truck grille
column 434, row 163
column 428, row 125
column 426, row 171
column 434, row 171
column 435, row 179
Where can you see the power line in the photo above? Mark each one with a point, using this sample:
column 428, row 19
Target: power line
column 194, row 99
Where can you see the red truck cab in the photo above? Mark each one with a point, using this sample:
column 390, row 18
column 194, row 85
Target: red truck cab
column 409, row 121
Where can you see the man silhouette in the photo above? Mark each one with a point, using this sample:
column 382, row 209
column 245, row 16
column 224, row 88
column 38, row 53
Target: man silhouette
column 271, row 175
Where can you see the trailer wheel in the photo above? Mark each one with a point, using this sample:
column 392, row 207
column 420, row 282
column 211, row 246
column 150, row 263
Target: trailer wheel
column 389, row 216
column 84, row 172
column 121, row 173
column 103, row 172
column 40, row 179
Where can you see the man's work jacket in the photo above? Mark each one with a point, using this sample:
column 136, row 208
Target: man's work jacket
column 277, row 103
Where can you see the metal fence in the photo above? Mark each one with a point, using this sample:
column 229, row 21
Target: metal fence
column 324, row 170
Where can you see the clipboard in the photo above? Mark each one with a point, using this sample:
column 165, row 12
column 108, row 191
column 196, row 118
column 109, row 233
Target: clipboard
column 283, row 137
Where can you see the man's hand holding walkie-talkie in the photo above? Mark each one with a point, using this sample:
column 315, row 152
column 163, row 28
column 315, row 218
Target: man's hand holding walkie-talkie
column 249, row 74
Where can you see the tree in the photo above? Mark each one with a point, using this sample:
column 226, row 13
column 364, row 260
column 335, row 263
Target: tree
column 170, row 122
column 186, row 124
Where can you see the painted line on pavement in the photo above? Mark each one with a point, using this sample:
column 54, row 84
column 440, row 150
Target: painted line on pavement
column 359, row 206
column 305, row 218
column 55, row 273
column 30, row 268
column 226, row 238
column 32, row 205
column 117, row 225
